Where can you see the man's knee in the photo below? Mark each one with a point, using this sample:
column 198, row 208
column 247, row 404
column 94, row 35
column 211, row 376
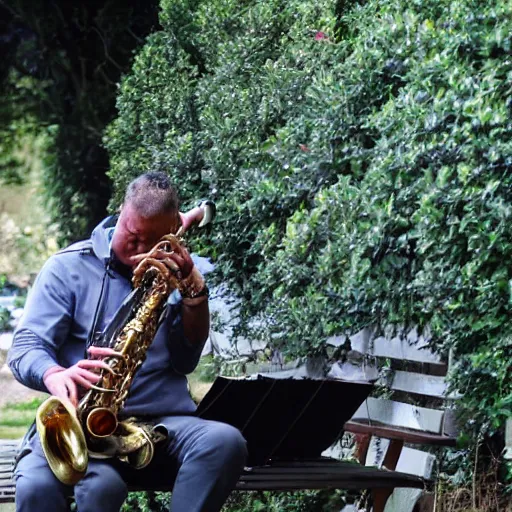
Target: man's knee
column 227, row 443
column 101, row 489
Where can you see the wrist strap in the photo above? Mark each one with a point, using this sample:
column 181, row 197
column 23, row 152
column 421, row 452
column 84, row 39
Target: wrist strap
column 195, row 301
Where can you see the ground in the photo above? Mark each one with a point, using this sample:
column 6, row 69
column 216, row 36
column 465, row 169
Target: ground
column 13, row 391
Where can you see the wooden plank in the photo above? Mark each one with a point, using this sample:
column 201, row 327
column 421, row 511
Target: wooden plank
column 377, row 448
column 273, row 369
column 409, row 436
column 412, row 348
column 420, row 384
column 508, row 440
column 409, row 382
column 416, row 462
column 8, row 452
column 322, row 474
column 398, row 414
column 354, row 371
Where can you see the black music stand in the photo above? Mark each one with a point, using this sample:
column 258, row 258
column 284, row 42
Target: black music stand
column 284, row 418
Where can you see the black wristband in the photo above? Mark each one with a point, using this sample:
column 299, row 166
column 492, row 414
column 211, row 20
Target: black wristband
column 204, row 291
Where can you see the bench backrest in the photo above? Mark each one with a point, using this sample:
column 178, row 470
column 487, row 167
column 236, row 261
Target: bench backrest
column 413, row 397
column 412, row 404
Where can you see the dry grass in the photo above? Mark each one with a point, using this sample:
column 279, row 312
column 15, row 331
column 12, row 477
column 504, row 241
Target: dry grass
column 485, row 495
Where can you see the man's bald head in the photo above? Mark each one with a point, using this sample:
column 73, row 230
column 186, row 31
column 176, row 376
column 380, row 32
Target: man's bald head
column 152, row 194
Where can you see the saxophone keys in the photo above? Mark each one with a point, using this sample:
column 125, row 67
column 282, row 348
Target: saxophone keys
column 103, row 390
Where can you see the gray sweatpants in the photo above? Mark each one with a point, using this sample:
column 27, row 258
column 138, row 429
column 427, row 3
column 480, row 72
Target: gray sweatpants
column 202, row 459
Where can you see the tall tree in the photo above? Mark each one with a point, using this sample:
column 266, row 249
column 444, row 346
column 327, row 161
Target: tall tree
column 61, row 62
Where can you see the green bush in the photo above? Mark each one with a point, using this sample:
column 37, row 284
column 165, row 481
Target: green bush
column 360, row 157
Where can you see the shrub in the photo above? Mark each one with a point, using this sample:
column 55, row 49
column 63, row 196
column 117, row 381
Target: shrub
column 360, row 159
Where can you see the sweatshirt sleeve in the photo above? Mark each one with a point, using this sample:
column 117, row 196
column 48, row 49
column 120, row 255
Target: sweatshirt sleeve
column 44, row 326
column 184, row 355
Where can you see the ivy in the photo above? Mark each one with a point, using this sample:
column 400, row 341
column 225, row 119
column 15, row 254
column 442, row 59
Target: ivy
column 360, row 161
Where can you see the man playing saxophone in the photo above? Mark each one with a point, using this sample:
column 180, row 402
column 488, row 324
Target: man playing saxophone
column 76, row 294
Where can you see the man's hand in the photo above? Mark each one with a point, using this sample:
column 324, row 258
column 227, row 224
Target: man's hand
column 191, row 217
column 64, row 382
column 202, row 215
column 179, row 261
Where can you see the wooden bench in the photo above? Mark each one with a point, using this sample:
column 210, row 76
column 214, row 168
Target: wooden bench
column 384, row 461
column 8, row 452
column 412, row 407
column 322, row 473
column 278, row 417
column 416, row 410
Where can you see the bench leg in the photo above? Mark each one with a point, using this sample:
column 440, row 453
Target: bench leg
column 393, row 454
column 426, row 503
column 362, row 444
column 380, row 497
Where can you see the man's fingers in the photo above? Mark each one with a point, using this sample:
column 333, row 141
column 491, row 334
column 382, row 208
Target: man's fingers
column 138, row 258
column 59, row 389
column 83, row 382
column 94, row 363
column 183, row 260
column 172, row 265
column 86, row 374
column 71, row 391
column 103, row 351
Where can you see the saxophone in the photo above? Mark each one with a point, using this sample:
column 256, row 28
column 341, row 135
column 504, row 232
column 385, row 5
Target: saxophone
column 68, row 436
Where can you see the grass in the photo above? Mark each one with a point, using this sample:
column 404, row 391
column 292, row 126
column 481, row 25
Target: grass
column 29, row 406
column 201, row 380
column 16, row 418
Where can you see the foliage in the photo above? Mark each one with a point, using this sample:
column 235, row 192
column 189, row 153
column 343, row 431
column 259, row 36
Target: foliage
column 15, row 418
column 5, row 315
column 5, row 319
column 146, row 502
column 298, row 501
column 302, row 501
column 26, row 247
column 360, row 159
column 58, row 78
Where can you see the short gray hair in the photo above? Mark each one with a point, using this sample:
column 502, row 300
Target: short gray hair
column 151, row 194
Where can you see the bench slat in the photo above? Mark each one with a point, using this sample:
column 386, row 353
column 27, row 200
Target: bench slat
column 408, row 436
column 409, row 382
column 413, row 348
column 417, row 383
column 508, row 440
column 328, row 474
column 410, row 461
column 398, row 414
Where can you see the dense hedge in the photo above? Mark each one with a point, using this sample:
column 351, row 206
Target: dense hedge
column 361, row 159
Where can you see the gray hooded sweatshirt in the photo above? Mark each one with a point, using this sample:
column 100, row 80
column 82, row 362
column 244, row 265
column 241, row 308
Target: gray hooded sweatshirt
column 78, row 287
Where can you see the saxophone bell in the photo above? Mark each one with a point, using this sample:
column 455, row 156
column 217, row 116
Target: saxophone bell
column 62, row 440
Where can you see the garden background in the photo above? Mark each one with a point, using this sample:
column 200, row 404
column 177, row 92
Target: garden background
column 359, row 154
